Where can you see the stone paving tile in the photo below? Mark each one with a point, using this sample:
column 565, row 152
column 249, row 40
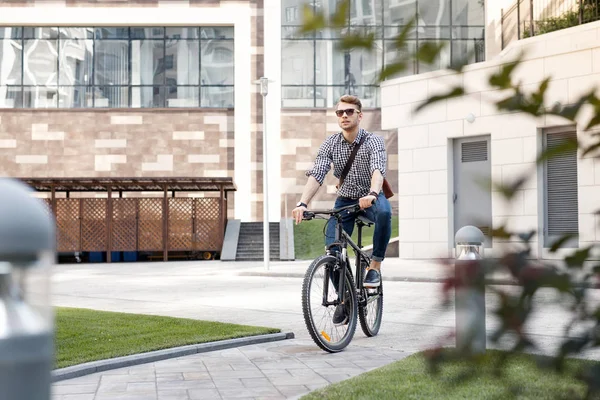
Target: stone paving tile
column 197, row 384
column 173, row 394
column 74, row 389
column 244, row 366
column 79, row 396
column 226, row 383
column 236, row 374
column 169, row 377
column 82, row 380
column 336, row 377
column 292, row 390
column 204, row 394
column 112, row 387
column 191, row 376
column 119, row 396
column 128, row 378
column 256, row 382
column 142, row 387
column 250, row 392
column 169, row 396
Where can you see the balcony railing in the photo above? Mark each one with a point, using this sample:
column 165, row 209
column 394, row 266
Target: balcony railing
column 526, row 18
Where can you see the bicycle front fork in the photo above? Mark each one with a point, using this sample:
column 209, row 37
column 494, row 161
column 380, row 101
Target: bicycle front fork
column 336, row 273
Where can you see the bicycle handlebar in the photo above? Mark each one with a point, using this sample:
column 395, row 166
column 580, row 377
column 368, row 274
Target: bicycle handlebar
column 353, row 208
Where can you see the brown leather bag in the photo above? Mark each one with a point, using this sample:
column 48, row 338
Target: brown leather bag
column 387, row 189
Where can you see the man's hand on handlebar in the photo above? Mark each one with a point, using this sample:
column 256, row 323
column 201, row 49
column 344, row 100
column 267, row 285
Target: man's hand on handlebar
column 367, row 201
column 297, row 214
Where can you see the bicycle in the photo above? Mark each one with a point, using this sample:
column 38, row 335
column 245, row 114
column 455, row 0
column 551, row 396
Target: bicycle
column 358, row 299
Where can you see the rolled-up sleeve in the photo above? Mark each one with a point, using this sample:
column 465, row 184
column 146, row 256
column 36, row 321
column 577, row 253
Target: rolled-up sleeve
column 378, row 155
column 322, row 163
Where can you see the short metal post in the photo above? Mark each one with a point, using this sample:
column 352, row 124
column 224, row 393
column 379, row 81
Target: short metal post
column 518, row 19
column 469, row 291
column 531, row 28
column 27, row 254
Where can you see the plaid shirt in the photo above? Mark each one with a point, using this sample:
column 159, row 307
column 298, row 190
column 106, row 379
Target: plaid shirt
column 370, row 156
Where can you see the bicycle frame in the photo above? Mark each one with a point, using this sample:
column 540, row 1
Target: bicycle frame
column 342, row 239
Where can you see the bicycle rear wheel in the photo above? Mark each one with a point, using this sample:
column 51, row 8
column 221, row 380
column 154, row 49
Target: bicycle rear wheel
column 319, row 317
column 371, row 312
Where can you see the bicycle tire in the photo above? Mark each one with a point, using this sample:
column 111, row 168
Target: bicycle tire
column 306, row 307
column 363, row 314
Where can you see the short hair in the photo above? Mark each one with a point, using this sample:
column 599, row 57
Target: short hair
column 350, row 99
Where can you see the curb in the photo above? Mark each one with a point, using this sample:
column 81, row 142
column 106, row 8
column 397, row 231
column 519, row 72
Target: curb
column 76, row 371
column 492, row 281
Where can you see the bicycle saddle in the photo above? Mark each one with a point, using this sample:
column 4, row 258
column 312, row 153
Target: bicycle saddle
column 362, row 220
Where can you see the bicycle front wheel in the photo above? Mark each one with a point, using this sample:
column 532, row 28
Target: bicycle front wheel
column 318, row 290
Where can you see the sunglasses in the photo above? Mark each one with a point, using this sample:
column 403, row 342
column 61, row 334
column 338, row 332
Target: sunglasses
column 349, row 112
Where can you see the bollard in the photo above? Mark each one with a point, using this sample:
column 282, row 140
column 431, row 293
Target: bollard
column 27, row 253
column 470, row 292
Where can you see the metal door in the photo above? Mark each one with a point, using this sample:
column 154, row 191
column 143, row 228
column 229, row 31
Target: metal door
column 472, row 185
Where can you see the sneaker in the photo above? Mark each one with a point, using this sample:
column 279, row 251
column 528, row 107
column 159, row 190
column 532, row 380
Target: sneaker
column 372, row 279
column 340, row 316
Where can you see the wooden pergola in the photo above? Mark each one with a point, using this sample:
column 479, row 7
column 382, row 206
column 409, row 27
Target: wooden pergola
column 151, row 224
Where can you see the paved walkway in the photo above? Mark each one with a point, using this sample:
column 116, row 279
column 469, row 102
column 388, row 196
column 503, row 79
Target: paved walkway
column 279, row 370
column 246, row 293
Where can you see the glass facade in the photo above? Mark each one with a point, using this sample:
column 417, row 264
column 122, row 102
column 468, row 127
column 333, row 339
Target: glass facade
column 116, row 67
column 315, row 73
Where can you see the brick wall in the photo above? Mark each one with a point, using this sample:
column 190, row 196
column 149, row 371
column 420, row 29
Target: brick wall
column 117, row 143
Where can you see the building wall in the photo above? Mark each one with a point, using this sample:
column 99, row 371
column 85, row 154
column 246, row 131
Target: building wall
column 302, row 132
column 117, row 143
column 571, row 57
column 247, row 19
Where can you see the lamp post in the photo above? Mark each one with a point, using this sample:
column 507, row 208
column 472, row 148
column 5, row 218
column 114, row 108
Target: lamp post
column 264, row 90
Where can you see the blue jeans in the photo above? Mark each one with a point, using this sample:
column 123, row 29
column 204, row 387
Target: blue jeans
column 380, row 213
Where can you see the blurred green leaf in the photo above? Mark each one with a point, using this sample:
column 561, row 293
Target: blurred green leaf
column 392, row 69
column 567, row 145
column 311, row 21
column 400, row 41
column 357, row 40
column 576, row 259
column 501, row 233
column 509, row 190
column 527, row 236
column 340, row 18
column 570, row 111
column 561, row 241
column 428, row 52
column 537, row 98
column 591, row 148
column 502, row 79
column 454, row 92
column 595, row 103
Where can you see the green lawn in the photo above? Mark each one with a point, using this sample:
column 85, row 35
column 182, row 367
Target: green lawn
column 86, row 335
column 410, row 379
column 309, row 239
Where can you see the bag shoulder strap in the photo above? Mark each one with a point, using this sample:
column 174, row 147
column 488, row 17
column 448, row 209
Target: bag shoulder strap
column 351, row 160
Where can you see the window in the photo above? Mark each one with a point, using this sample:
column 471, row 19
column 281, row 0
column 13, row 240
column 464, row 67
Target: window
column 291, row 14
column 120, row 67
column 561, row 215
column 314, row 70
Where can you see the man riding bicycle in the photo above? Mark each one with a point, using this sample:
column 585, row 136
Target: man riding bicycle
column 362, row 184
